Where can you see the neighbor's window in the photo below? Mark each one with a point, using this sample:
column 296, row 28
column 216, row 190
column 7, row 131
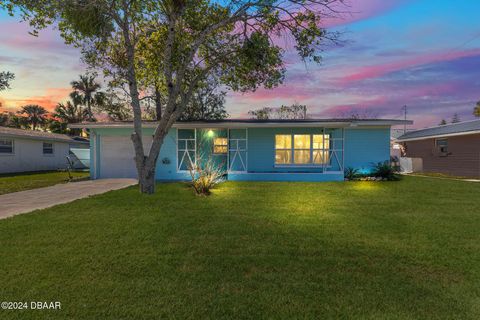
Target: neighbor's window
column 220, row 145
column 6, row 146
column 301, row 146
column 283, row 148
column 442, row 145
column 47, row 148
column 302, row 149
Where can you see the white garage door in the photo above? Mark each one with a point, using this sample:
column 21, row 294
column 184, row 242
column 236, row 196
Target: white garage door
column 117, row 157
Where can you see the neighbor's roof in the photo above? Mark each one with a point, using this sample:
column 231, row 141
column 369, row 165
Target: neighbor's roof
column 39, row 135
column 454, row 129
column 248, row 123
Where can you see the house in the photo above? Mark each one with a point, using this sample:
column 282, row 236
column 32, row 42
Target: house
column 29, row 150
column 268, row 150
column 452, row 149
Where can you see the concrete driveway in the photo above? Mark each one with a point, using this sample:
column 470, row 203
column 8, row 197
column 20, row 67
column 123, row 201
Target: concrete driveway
column 26, row 201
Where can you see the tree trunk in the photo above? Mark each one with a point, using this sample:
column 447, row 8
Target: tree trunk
column 146, row 181
column 158, row 104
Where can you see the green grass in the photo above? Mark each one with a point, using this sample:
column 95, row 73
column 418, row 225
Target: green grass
column 368, row 250
column 31, row 180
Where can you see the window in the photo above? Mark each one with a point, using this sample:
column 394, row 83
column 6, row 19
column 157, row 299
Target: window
column 47, row 148
column 442, row 145
column 313, row 149
column 283, row 149
column 186, row 152
column 301, row 149
column 220, row 145
column 321, row 147
column 6, row 146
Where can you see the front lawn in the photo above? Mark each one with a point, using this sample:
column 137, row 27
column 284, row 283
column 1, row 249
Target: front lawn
column 371, row 250
column 14, row 182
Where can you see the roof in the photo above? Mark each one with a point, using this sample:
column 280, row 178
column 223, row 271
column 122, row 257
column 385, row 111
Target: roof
column 40, row 135
column 454, row 129
column 395, row 133
column 247, row 123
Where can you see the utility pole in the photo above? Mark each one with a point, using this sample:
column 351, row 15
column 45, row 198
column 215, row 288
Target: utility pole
column 405, row 118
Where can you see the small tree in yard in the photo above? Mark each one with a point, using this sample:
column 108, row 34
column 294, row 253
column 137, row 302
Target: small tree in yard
column 174, row 45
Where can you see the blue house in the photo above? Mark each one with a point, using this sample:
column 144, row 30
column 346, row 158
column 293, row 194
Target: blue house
column 261, row 150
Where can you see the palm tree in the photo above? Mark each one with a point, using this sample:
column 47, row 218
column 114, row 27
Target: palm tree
column 87, row 90
column 34, row 115
column 71, row 112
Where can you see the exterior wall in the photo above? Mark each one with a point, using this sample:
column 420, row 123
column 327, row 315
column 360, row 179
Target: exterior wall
column 463, row 158
column 28, row 156
column 366, row 147
column 112, row 153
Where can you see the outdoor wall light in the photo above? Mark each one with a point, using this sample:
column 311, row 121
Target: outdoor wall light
column 210, row 133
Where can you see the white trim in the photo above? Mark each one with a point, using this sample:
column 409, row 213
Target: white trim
column 465, row 133
column 249, row 124
column 94, row 148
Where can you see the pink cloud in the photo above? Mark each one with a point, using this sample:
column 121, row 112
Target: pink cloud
column 357, row 10
column 376, row 71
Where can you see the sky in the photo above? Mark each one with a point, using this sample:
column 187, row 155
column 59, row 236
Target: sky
column 424, row 54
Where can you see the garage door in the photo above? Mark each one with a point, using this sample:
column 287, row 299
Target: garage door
column 117, row 157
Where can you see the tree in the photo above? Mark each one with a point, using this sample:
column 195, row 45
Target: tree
column 180, row 43
column 476, row 110
column 443, row 122
column 261, row 114
column 34, row 115
column 68, row 112
column 295, row 111
column 207, row 103
column 5, row 79
column 56, row 126
column 10, row 119
column 358, row 114
column 87, row 90
column 455, row 118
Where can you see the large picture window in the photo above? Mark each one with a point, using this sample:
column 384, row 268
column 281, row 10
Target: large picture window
column 302, row 149
column 6, row 146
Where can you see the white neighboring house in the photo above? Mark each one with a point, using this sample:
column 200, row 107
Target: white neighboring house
column 28, row 150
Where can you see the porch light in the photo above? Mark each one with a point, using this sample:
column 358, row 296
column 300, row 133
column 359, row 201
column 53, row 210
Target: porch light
column 210, row 133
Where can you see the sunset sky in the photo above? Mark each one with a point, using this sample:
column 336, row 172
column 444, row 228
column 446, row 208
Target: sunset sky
column 421, row 53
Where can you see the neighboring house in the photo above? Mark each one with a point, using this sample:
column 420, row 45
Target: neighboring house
column 395, row 147
column 269, row 150
column 452, row 149
column 28, row 150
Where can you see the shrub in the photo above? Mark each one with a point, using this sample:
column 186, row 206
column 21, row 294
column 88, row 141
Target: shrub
column 385, row 170
column 205, row 174
column 351, row 173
